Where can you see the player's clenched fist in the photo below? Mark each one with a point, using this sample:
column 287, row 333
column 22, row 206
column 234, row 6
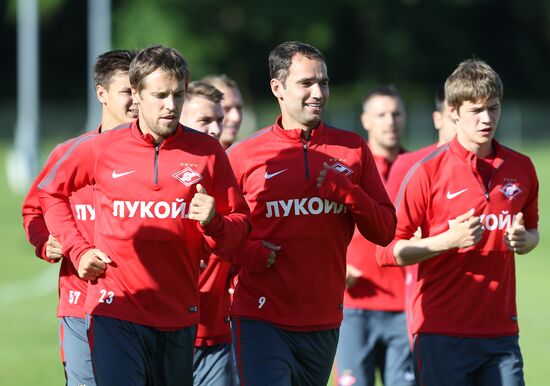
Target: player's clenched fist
column 93, row 264
column 518, row 239
column 465, row 230
column 203, row 206
column 352, row 275
column 53, row 249
column 516, row 235
column 273, row 249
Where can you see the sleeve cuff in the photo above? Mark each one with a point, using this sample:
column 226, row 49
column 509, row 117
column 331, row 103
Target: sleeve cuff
column 385, row 256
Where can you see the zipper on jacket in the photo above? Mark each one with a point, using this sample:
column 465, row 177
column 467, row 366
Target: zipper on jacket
column 304, row 143
column 156, row 170
column 486, row 189
column 483, row 188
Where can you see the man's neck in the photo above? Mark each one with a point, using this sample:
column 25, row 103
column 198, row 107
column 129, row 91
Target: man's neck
column 481, row 151
column 107, row 123
column 292, row 125
column 389, row 154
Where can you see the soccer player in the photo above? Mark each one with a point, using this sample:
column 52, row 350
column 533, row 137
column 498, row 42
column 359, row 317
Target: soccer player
column 475, row 202
column 114, row 93
column 165, row 197
column 307, row 185
column 374, row 331
column 446, row 130
column 232, row 104
column 202, row 109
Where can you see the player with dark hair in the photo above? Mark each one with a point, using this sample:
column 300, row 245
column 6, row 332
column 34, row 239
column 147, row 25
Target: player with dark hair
column 115, row 95
column 446, row 131
column 307, row 185
column 374, row 331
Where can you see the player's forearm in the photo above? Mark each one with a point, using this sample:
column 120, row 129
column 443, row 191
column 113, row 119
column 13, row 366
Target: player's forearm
column 374, row 215
column 252, row 255
column 37, row 234
column 413, row 251
column 59, row 219
column 375, row 220
column 225, row 233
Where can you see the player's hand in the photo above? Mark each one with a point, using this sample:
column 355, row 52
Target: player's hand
column 465, row 230
column 202, row 265
column 203, row 206
column 322, row 175
column 53, row 249
column 273, row 252
column 517, row 238
column 352, row 275
column 93, row 264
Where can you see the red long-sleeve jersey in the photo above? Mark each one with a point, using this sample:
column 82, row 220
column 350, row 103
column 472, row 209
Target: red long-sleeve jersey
column 142, row 194
column 378, row 288
column 277, row 171
column 401, row 166
column 403, row 163
column 215, row 302
column 468, row 291
column 72, row 289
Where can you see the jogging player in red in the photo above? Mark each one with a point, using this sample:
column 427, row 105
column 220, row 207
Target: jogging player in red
column 202, row 110
column 446, row 131
column 164, row 198
column 307, row 185
column 475, row 202
column 373, row 335
column 115, row 95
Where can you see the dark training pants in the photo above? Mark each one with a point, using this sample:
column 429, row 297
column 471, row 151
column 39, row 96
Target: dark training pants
column 270, row 356
column 126, row 353
column 456, row 361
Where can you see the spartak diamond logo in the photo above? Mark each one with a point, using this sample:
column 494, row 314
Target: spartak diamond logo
column 187, row 176
column 510, row 190
column 340, row 167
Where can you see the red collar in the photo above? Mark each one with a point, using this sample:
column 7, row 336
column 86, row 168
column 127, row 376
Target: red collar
column 297, row 134
column 471, row 157
column 148, row 138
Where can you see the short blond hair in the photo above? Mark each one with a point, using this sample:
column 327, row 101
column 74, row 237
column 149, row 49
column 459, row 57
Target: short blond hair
column 198, row 88
column 473, row 80
column 220, row 81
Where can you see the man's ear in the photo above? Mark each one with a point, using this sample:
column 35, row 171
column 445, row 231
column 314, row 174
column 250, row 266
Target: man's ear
column 454, row 113
column 135, row 96
column 437, row 117
column 365, row 121
column 276, row 87
column 101, row 94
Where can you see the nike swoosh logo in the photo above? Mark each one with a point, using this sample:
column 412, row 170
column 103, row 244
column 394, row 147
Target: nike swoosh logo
column 268, row 176
column 118, row 175
column 450, row 195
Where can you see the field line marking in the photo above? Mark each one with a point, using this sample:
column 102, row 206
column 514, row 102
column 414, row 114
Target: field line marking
column 39, row 285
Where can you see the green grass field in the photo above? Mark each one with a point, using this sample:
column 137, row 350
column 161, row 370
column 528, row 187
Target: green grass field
column 29, row 353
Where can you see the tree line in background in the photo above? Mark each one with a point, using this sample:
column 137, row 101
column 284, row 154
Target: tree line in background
column 411, row 43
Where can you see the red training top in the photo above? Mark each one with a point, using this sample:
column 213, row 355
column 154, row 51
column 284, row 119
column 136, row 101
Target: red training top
column 142, row 194
column 277, row 171
column 469, row 291
column 72, row 289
